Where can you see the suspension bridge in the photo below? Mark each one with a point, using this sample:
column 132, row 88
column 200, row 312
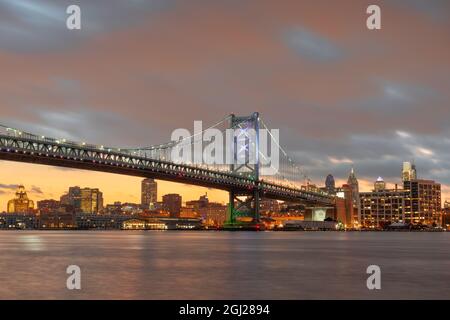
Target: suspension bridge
column 244, row 180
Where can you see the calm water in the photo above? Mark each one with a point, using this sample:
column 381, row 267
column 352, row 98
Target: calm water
column 223, row 265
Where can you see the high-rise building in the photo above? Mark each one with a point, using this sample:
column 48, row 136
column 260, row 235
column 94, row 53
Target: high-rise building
column 20, row 203
column 72, row 198
column 91, row 200
column 409, row 171
column 149, row 193
column 418, row 203
column 346, row 210
column 172, row 204
column 330, row 185
column 379, row 184
column 354, row 185
column 423, row 202
column 382, row 206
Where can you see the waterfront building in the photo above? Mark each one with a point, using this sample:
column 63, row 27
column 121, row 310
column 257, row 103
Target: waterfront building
column 102, row 222
column 149, row 193
column 172, row 204
column 423, row 202
column 216, row 214
column 18, row 221
column 382, row 206
column 418, row 203
column 57, row 220
column 20, row 203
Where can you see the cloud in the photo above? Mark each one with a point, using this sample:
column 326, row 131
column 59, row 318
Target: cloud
column 36, row 190
column 338, row 93
column 334, row 160
column 28, row 26
column 9, row 186
column 312, row 45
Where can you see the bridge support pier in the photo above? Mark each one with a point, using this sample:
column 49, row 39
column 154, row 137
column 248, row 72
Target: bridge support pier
column 243, row 208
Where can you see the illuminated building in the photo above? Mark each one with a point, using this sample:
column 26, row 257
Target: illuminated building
column 149, row 193
column 18, row 221
column 346, row 211
column 72, row 198
column 57, row 220
column 216, row 214
column 172, row 204
column 418, row 203
column 213, row 213
column 409, row 172
column 446, row 215
column 21, row 203
column 48, row 205
column 199, row 206
column 269, row 206
column 423, row 202
column 91, row 200
column 380, row 184
column 354, row 185
column 382, row 206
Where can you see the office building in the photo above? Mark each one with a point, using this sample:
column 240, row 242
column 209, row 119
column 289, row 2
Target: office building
column 423, row 202
column 149, row 194
column 91, row 201
column 72, row 198
column 382, row 206
column 409, row 171
column 354, row 185
column 330, row 185
column 172, row 204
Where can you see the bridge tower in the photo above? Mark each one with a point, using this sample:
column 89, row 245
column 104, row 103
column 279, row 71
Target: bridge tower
column 246, row 162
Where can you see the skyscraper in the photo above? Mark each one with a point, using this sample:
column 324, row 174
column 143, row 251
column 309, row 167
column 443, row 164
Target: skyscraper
column 330, row 185
column 353, row 183
column 91, row 200
column 72, row 198
column 379, row 184
column 149, row 193
column 409, row 171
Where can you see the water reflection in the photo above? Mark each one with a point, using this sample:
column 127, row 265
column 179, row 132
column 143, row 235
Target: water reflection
column 223, row 265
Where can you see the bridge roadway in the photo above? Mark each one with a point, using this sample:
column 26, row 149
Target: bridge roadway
column 48, row 151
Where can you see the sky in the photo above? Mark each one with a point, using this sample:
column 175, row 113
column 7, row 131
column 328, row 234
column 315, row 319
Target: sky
column 341, row 95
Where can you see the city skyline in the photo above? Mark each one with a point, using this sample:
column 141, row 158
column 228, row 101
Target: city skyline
column 37, row 191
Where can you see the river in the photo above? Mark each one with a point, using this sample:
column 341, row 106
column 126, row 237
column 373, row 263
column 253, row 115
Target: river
column 224, row 265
